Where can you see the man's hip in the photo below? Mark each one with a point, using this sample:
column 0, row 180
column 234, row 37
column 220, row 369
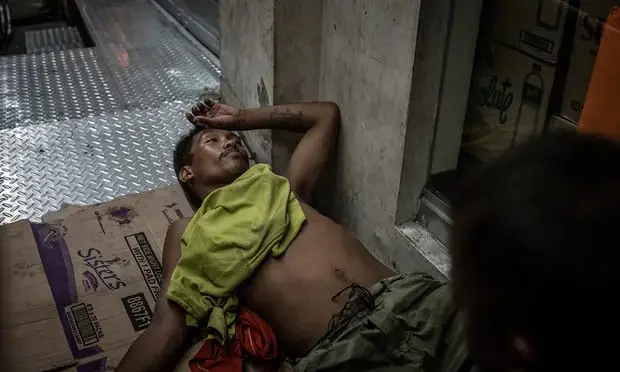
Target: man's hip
column 407, row 320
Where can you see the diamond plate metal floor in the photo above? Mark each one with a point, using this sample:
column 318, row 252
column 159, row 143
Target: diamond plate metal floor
column 86, row 160
column 52, row 40
column 149, row 60
column 85, row 125
column 60, row 85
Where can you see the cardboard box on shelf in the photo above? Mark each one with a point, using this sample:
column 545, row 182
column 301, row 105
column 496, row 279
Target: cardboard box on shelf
column 508, row 101
column 535, row 27
column 81, row 286
column 562, row 124
column 590, row 26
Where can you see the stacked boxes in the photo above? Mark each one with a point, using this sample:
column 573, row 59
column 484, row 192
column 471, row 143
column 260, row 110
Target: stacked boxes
column 533, row 62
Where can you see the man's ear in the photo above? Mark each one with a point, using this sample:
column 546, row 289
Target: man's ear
column 186, row 174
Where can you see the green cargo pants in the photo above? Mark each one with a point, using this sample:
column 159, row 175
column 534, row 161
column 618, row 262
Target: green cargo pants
column 407, row 323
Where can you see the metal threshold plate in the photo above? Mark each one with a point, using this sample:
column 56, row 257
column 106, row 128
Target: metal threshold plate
column 435, row 215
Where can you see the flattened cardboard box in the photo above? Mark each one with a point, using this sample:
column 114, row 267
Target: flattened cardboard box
column 83, row 284
column 111, row 358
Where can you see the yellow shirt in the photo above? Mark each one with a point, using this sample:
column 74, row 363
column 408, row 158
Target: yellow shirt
column 230, row 235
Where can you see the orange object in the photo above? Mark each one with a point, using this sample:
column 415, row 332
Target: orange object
column 601, row 111
column 253, row 338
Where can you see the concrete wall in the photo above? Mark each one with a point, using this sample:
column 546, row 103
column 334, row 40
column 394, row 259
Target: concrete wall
column 368, row 53
column 359, row 54
column 270, row 55
column 297, row 38
column 247, row 60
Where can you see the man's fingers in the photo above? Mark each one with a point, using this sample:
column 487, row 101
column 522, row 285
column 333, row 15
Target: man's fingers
column 209, row 102
column 203, row 121
column 202, row 107
column 195, row 110
column 196, row 120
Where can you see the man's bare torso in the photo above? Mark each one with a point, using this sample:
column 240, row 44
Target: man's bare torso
column 294, row 292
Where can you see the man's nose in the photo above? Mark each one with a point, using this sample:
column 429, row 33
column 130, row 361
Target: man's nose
column 229, row 143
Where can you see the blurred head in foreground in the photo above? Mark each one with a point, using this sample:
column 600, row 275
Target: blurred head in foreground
column 536, row 256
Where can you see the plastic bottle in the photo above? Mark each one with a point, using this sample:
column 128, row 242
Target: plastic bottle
column 531, row 102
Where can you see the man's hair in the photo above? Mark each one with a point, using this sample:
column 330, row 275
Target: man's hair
column 182, row 156
column 536, row 253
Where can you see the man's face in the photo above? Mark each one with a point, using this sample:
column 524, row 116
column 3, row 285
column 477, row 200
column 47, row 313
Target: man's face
column 217, row 159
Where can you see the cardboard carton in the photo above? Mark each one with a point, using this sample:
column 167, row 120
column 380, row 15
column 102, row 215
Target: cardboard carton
column 508, row 101
column 81, row 286
column 590, row 25
column 535, row 27
column 562, row 124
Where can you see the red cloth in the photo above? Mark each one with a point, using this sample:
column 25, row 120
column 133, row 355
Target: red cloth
column 253, row 338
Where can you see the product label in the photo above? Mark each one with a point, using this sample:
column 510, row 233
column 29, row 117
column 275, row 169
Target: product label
column 147, row 261
column 536, row 42
column 84, row 325
column 100, row 269
column 138, row 311
column 495, row 94
column 533, row 94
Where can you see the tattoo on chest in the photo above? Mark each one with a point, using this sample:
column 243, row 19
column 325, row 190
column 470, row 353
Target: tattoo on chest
column 286, row 117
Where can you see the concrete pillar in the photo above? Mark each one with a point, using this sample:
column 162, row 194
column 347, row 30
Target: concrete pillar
column 247, row 60
column 357, row 53
column 270, row 54
column 367, row 63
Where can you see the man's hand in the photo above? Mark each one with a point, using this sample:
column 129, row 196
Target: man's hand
column 209, row 114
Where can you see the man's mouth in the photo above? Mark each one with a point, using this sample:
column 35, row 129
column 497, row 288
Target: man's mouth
column 229, row 151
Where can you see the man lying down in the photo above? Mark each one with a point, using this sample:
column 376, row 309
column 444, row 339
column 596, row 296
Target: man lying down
column 257, row 252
